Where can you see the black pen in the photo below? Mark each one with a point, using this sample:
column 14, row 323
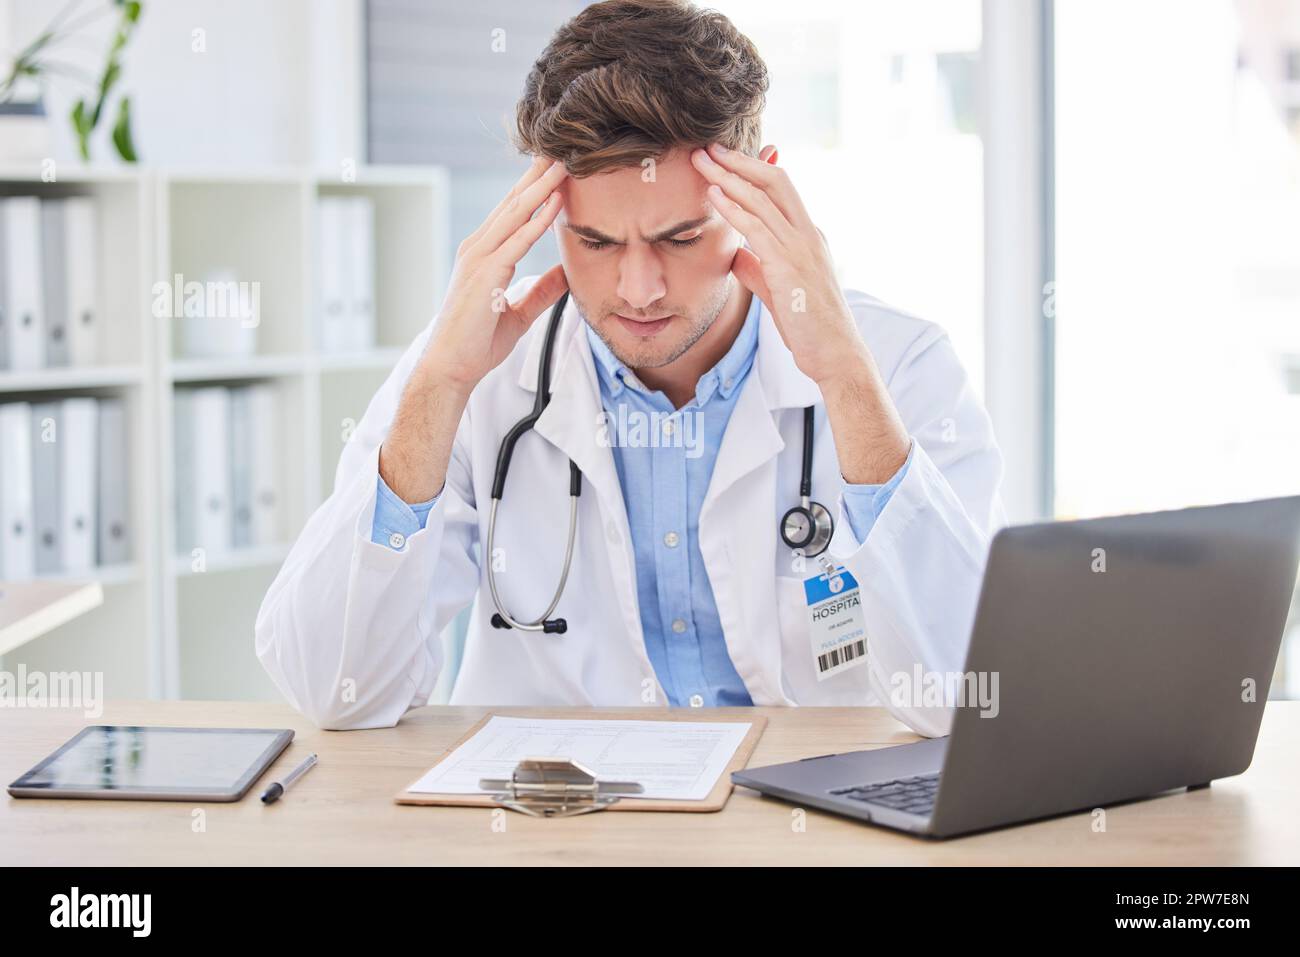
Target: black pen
column 272, row 794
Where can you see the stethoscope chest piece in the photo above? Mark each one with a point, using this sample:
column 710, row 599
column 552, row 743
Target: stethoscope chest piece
column 808, row 528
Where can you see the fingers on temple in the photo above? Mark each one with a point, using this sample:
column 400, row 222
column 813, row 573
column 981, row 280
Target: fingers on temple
column 774, row 181
column 516, row 245
column 517, row 212
column 750, row 226
column 535, row 169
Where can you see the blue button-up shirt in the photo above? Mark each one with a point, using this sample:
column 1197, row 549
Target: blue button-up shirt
column 665, row 459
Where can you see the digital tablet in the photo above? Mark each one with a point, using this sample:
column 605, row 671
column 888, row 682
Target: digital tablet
column 155, row 764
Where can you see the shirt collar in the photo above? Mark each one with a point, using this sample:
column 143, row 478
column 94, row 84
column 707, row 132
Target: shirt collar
column 724, row 378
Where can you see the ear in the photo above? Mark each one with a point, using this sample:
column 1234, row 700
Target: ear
column 768, row 154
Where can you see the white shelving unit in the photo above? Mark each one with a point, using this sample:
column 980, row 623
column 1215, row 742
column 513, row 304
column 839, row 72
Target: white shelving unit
column 165, row 629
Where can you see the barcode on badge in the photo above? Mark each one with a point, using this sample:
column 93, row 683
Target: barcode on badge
column 839, row 656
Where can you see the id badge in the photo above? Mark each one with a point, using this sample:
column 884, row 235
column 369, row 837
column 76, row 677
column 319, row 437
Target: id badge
column 839, row 635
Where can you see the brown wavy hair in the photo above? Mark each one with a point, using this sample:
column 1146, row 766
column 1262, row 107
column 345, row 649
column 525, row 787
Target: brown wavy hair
column 629, row 79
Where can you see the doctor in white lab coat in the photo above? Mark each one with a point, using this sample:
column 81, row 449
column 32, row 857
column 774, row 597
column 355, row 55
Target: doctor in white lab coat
column 350, row 629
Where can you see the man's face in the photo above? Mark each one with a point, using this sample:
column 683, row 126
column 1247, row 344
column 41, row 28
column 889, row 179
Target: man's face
column 647, row 259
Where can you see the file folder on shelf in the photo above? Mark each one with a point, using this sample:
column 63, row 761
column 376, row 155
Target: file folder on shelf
column 17, row 555
column 241, row 473
column 81, row 278
column 332, row 275
column 113, row 544
column 4, row 294
column 20, row 218
column 54, row 284
column 183, row 449
column 262, row 464
column 210, row 412
column 78, row 446
column 47, row 520
column 360, row 263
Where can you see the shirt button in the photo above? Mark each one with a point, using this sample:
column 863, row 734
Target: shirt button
column 397, row 540
column 611, row 530
column 679, row 626
column 697, row 701
column 669, row 427
column 671, row 539
column 728, row 383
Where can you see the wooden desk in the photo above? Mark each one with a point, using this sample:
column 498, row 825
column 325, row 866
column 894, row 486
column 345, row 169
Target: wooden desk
column 342, row 812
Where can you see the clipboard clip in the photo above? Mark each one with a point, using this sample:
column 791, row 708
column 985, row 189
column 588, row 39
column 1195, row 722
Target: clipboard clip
column 556, row 787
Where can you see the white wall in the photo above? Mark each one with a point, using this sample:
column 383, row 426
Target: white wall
column 228, row 83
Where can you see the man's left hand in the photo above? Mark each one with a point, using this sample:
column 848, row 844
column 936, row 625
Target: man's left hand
column 788, row 266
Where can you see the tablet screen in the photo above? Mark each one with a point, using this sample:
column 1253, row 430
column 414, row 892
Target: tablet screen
column 158, row 760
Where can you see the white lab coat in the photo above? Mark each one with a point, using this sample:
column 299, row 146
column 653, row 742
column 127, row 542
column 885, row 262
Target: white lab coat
column 350, row 630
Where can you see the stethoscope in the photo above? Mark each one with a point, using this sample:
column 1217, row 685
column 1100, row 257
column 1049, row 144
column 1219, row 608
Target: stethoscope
column 807, row 527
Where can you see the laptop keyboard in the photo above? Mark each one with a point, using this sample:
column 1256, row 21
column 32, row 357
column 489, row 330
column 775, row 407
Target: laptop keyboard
column 910, row 795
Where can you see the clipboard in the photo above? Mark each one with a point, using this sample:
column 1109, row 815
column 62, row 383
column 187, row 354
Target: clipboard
column 716, row 800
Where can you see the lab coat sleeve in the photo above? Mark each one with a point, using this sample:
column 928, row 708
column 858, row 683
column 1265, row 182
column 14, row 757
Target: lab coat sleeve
column 921, row 563
column 350, row 628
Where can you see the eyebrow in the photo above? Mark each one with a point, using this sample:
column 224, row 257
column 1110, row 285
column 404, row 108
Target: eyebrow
column 597, row 236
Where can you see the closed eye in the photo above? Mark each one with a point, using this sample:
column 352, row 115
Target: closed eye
column 677, row 243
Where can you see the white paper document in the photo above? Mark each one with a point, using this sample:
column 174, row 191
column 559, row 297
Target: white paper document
column 672, row 760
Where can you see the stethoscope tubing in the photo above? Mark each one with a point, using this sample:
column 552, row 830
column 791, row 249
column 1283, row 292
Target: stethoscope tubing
column 544, row 623
column 539, row 624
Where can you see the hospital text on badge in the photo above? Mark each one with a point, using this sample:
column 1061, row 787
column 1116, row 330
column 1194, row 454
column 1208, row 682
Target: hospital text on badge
column 836, row 628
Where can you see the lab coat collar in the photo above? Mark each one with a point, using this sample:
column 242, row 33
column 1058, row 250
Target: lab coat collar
column 572, row 420
column 528, row 371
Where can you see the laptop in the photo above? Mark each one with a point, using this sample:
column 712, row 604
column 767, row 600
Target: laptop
column 1133, row 657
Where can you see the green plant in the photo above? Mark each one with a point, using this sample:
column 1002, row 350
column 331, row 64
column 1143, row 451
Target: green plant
column 34, row 64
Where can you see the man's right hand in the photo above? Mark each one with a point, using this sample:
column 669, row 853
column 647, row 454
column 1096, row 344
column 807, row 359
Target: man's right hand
column 476, row 330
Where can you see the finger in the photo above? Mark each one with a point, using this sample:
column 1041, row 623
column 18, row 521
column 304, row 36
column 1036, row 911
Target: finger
column 752, row 198
column 773, row 179
column 750, row 226
column 749, row 271
column 517, row 245
column 520, row 209
column 541, row 295
column 535, row 169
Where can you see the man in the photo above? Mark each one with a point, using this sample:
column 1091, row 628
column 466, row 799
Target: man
column 703, row 321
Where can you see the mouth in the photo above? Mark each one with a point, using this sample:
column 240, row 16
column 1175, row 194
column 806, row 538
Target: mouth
column 644, row 328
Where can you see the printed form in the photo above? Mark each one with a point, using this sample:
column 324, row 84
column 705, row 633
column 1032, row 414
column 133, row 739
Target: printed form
column 672, row 760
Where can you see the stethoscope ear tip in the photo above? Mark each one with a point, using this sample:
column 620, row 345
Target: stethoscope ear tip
column 552, row 626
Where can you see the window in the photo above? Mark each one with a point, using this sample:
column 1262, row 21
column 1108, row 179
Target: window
column 1178, row 266
column 874, row 109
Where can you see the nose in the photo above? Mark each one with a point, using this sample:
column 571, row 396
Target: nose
column 641, row 277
